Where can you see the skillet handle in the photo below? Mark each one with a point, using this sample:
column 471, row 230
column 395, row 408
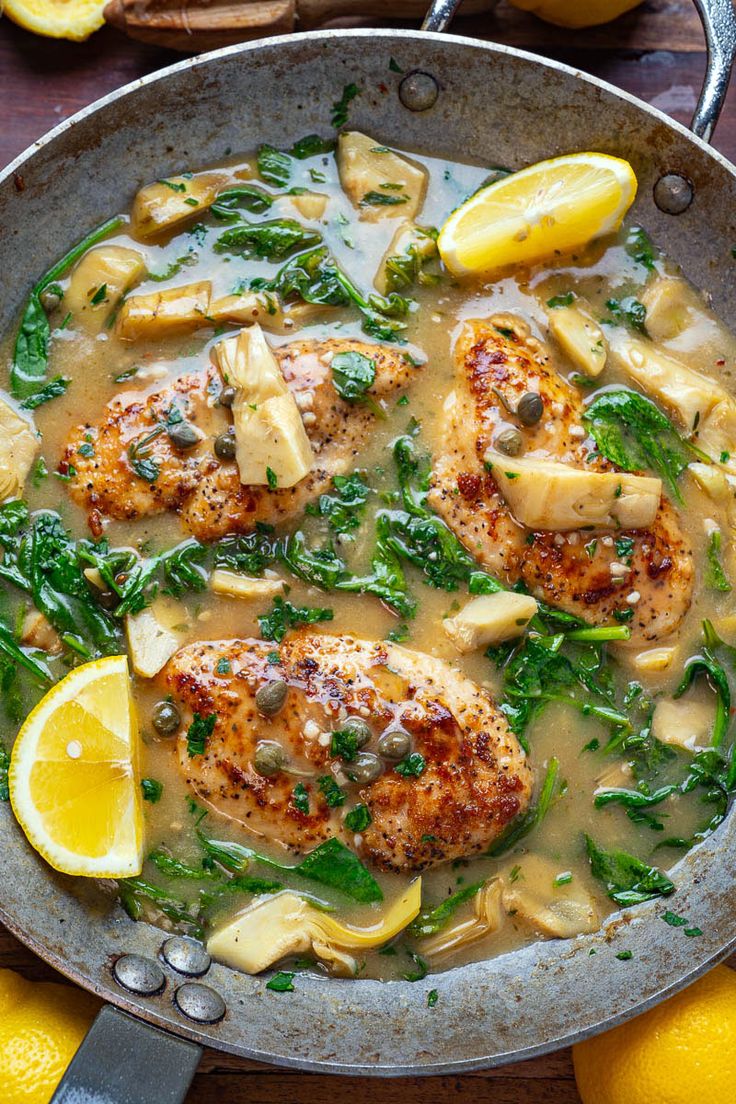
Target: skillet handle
column 719, row 23
column 124, row 1061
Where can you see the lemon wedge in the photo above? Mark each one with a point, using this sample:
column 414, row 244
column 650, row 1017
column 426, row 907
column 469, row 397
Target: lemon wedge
column 73, row 776
column 72, row 19
column 548, row 208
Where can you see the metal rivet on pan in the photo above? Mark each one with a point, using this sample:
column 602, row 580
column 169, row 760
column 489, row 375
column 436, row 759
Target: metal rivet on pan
column 186, row 956
column 139, row 975
column 418, row 91
column 199, row 1002
column 673, row 193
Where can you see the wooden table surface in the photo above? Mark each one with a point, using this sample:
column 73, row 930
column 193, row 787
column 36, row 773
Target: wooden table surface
column 655, row 52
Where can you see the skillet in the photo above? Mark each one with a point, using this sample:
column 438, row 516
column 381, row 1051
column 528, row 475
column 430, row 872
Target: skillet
column 464, row 100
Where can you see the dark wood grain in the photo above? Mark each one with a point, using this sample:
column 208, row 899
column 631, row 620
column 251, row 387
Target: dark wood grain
column 656, row 53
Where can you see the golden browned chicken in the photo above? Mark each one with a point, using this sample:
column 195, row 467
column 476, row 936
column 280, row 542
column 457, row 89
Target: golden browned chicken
column 131, row 466
column 439, row 771
column 585, row 572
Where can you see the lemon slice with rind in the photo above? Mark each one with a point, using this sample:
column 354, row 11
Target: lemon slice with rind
column 74, row 779
column 552, row 207
column 72, row 19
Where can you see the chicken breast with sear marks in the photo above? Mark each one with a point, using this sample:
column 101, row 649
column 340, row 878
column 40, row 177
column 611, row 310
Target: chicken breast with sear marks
column 599, row 576
column 129, row 465
column 467, row 778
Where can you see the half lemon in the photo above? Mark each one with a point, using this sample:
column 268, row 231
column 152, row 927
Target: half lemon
column 551, row 207
column 74, row 779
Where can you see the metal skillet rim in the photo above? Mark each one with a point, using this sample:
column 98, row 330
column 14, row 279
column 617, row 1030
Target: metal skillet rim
column 359, row 32
column 210, row 1038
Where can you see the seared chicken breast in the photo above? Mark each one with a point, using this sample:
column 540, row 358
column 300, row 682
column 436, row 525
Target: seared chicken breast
column 591, row 574
column 467, row 778
column 129, row 464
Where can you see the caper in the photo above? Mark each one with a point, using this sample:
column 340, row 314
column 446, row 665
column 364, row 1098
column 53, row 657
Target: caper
column 530, row 408
column 509, row 441
column 108, row 599
column 394, row 744
column 225, row 446
column 358, row 728
column 50, row 299
column 366, row 767
column 165, row 718
column 269, row 758
column 270, row 697
column 183, row 435
column 226, row 396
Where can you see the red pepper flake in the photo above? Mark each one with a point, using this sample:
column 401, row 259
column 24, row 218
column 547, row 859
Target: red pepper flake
column 95, row 524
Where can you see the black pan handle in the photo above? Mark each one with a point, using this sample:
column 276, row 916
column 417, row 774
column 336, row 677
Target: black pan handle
column 125, row 1061
column 719, row 23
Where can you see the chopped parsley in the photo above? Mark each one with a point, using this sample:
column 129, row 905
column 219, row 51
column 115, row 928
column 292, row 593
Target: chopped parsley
column 358, row 819
column 282, row 982
column 352, row 375
column 411, row 767
column 333, row 795
column 300, row 798
column 152, row 790
column 340, row 107
column 199, row 732
column 284, row 616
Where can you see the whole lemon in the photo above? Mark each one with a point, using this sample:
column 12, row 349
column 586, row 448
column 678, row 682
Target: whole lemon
column 682, row 1052
column 573, row 13
column 41, row 1027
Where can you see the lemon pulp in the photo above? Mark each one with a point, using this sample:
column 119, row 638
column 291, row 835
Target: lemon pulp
column 73, row 776
column 552, row 207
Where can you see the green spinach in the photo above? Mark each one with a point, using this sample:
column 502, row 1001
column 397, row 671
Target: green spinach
column 31, row 350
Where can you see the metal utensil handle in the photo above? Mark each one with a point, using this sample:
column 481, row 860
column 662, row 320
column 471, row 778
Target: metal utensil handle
column 719, row 23
column 124, row 1061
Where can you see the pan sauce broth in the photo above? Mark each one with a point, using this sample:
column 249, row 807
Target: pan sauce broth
column 550, row 862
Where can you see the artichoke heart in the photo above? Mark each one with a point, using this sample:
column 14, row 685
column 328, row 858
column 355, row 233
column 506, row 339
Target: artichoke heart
column 490, row 619
column 19, row 447
column 543, row 494
column 151, row 643
column 691, row 396
column 285, row 924
column 488, row 917
column 272, row 445
column 166, row 203
column 677, row 315
column 163, row 313
column 538, row 901
column 410, row 246
column 100, row 279
column 580, row 339
column 379, row 182
column 687, row 724
column 244, row 586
